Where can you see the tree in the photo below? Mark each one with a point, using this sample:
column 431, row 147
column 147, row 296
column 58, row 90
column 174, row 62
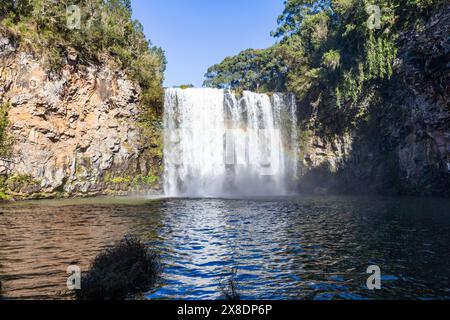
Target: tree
column 295, row 12
column 256, row 70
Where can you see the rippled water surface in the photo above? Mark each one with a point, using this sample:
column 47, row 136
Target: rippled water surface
column 281, row 248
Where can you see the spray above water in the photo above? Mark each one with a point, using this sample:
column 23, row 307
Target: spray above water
column 217, row 144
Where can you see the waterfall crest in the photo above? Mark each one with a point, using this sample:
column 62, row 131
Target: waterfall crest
column 217, row 144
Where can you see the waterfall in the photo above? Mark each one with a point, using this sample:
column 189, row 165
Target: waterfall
column 217, row 144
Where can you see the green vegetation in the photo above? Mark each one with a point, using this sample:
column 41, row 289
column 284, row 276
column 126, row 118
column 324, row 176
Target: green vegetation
column 17, row 185
column 106, row 34
column 149, row 180
column 255, row 70
column 119, row 180
column 5, row 138
column 4, row 196
column 325, row 46
column 304, row 139
column 186, row 86
column 136, row 181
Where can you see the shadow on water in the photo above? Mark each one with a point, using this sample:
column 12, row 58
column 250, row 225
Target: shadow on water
column 126, row 269
column 281, row 248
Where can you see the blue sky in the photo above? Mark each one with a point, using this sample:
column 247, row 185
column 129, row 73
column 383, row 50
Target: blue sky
column 196, row 34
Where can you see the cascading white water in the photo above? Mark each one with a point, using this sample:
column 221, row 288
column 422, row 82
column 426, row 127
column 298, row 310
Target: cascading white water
column 219, row 145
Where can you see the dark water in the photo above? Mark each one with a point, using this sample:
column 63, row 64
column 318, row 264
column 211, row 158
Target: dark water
column 289, row 248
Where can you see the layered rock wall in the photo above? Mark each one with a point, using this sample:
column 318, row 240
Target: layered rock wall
column 75, row 133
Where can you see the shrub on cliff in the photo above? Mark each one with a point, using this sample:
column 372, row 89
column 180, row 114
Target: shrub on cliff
column 5, row 138
column 104, row 32
column 126, row 269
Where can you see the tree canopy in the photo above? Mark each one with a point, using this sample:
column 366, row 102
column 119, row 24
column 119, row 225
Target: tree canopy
column 335, row 44
column 251, row 69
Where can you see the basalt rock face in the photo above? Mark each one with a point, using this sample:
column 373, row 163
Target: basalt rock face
column 75, row 133
column 424, row 151
column 401, row 144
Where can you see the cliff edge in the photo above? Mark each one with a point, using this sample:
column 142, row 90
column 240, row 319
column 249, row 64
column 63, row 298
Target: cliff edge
column 77, row 133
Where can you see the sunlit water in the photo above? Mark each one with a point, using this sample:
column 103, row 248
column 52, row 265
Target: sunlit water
column 281, row 248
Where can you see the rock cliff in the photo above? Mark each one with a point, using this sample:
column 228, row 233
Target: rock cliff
column 75, row 133
column 398, row 140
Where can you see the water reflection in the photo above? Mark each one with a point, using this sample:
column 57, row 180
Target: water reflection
column 282, row 248
column 39, row 241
